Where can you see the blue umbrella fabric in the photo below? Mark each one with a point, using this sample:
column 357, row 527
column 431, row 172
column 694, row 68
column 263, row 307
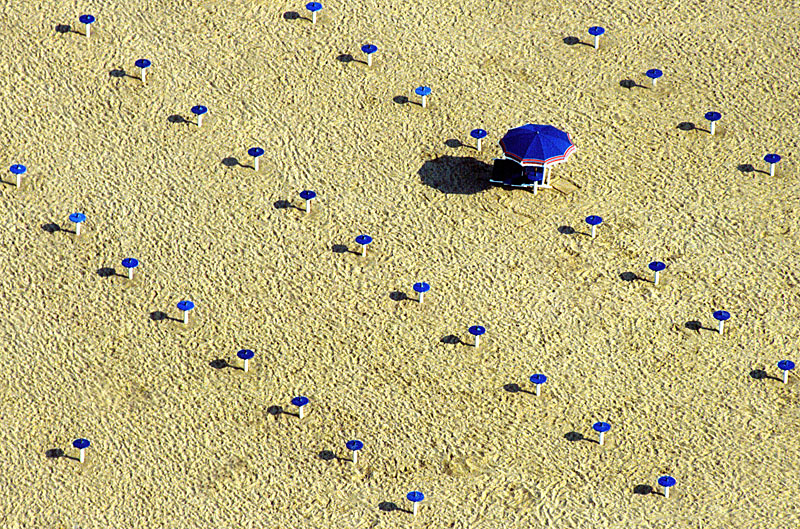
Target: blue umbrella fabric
column 537, row 145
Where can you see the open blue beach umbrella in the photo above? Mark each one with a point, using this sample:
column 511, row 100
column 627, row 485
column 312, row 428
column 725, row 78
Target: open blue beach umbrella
column 537, row 146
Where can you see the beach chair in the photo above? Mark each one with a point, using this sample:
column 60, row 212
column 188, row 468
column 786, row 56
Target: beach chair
column 509, row 173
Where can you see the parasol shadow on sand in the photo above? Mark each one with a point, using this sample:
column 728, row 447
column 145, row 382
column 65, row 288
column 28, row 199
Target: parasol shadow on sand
column 52, row 227
column 107, row 271
column 515, row 388
column 630, row 83
column 696, row 326
column 120, row 73
column 629, row 277
column 760, row 374
column 574, row 437
column 158, row 315
column 327, row 455
column 688, row 126
column 572, row 40
column 348, row 58
column 457, row 175
column 230, row 161
column 294, row 15
column 277, row 411
column 56, row 453
column 390, row 506
column 749, row 168
column 66, row 28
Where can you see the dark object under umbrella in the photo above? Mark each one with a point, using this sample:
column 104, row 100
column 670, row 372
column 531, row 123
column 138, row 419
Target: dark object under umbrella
column 510, row 173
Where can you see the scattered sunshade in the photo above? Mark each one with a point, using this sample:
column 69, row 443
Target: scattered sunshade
column 301, row 403
column 654, row 74
column 477, row 331
column 185, row 306
column 721, row 316
column 82, row 445
column 78, row 219
column 308, row 196
column 415, row 497
column 656, row 267
column 313, row 7
column 478, row 134
column 785, row 366
column 369, row 49
column 423, row 92
column 596, row 31
column 256, row 153
column 712, row 118
column 245, row 355
column 199, row 110
column 143, row 65
column 667, row 482
column 87, row 21
column 594, row 221
column 601, row 428
column 130, row 263
column 772, row 159
column 18, row 170
column 421, row 288
column 354, row 446
column 538, row 379
column 363, row 240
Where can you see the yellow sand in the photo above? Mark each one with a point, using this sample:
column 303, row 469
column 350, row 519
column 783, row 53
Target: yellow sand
column 177, row 443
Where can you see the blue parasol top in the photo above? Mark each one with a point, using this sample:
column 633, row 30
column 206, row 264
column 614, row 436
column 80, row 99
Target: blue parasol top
column 785, row 365
column 666, row 481
column 354, row 445
column 537, row 145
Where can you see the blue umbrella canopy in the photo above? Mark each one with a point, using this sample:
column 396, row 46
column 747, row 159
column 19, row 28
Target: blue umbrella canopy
column 537, row 145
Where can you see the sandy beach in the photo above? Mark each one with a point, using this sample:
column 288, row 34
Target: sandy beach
column 182, row 437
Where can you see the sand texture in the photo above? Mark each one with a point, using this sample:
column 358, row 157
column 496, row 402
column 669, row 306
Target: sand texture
column 181, row 437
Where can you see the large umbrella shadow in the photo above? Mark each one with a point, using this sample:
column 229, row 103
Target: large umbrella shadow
column 459, row 175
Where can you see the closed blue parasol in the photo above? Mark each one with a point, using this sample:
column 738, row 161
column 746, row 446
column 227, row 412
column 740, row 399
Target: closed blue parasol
column 537, row 146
